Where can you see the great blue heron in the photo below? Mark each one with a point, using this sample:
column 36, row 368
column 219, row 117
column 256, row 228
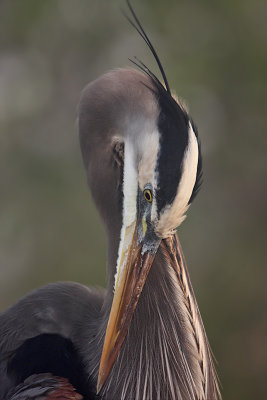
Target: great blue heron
column 143, row 338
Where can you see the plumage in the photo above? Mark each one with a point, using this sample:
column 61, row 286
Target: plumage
column 44, row 386
column 143, row 338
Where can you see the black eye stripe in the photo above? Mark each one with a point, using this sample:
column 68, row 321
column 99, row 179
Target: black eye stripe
column 173, row 125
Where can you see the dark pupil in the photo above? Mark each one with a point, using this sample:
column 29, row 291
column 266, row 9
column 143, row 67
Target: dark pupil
column 148, row 196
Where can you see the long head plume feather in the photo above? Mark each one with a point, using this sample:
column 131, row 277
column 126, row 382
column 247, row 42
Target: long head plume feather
column 139, row 28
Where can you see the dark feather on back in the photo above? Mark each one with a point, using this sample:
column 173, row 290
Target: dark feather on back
column 46, row 387
column 50, row 353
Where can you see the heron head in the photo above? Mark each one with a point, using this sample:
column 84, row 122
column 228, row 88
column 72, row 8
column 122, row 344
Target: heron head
column 162, row 170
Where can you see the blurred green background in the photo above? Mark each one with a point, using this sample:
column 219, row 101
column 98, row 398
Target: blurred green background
column 214, row 53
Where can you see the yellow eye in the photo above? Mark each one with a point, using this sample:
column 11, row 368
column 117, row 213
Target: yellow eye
column 148, row 195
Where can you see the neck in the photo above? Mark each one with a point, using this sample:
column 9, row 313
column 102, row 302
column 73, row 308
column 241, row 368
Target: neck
column 166, row 352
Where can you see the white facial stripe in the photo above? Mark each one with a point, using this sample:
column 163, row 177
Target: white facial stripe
column 130, row 182
column 149, row 147
column 174, row 214
column 188, row 178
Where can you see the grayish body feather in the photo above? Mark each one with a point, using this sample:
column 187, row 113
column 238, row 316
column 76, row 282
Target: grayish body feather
column 166, row 351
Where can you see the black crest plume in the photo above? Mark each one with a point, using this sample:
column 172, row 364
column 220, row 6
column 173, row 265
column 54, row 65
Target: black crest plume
column 138, row 27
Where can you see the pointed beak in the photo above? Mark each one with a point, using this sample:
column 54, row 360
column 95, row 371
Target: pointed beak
column 138, row 247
